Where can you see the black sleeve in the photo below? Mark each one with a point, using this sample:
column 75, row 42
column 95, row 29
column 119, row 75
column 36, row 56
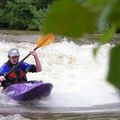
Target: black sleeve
column 32, row 68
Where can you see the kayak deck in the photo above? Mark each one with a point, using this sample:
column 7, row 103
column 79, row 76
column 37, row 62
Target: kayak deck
column 28, row 91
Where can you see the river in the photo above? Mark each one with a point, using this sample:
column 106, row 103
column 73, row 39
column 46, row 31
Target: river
column 80, row 92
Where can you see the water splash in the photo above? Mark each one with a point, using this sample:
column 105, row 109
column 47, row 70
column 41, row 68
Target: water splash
column 78, row 78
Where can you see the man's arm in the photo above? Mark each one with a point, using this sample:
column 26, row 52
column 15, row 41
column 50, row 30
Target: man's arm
column 37, row 61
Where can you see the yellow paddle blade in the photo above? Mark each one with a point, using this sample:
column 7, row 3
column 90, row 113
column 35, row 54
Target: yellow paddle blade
column 45, row 40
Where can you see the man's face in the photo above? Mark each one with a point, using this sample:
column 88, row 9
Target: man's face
column 14, row 59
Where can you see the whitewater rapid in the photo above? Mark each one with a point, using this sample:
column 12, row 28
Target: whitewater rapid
column 79, row 78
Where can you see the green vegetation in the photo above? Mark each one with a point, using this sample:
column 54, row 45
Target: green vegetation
column 23, row 14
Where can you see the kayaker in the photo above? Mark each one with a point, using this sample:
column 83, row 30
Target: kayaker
column 19, row 74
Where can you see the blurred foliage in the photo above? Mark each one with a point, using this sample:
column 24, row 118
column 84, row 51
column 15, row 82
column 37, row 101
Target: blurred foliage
column 75, row 18
column 114, row 15
column 114, row 70
column 107, row 35
column 68, row 18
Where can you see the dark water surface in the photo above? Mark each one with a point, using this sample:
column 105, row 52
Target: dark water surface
column 70, row 116
column 101, row 112
column 76, row 116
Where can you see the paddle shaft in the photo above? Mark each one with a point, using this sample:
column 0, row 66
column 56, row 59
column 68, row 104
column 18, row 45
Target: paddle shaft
column 19, row 63
column 27, row 55
column 44, row 41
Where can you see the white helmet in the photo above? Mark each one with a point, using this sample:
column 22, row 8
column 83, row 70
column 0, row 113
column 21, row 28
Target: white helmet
column 13, row 52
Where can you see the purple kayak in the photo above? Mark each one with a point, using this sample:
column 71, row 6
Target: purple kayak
column 28, row 91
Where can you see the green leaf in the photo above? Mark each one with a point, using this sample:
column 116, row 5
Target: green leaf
column 107, row 35
column 69, row 18
column 95, row 50
column 114, row 69
column 102, row 23
column 99, row 2
column 114, row 16
column 99, row 5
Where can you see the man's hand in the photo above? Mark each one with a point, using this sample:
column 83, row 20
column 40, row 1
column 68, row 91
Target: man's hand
column 33, row 53
column 2, row 78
